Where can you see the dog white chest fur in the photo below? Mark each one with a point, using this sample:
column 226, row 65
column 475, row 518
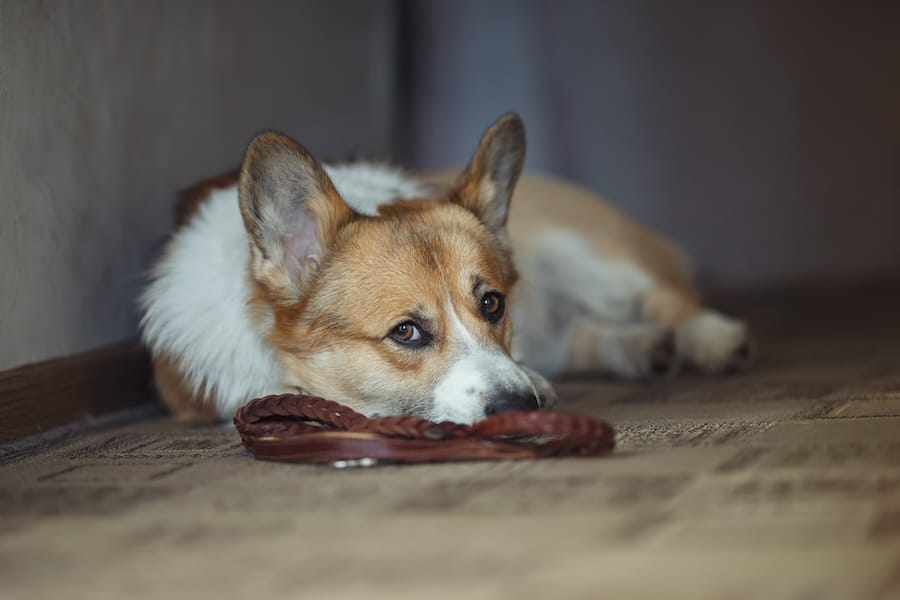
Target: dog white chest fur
column 596, row 293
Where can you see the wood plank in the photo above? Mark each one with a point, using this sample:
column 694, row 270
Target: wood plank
column 48, row 394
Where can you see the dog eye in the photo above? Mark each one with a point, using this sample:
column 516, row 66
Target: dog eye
column 408, row 333
column 492, row 306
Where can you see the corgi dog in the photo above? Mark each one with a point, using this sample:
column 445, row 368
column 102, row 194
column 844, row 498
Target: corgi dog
column 448, row 296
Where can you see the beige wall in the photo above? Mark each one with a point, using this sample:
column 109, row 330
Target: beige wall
column 108, row 107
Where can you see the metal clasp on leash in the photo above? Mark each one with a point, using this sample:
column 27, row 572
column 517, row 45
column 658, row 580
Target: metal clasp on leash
column 354, row 463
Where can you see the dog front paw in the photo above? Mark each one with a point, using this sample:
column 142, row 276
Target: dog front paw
column 641, row 352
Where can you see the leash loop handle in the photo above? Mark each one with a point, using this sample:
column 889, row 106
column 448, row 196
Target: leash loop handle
column 308, row 429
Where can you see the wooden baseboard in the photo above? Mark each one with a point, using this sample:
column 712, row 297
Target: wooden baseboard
column 44, row 395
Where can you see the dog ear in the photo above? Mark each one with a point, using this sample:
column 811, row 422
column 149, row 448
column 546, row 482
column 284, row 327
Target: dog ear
column 487, row 184
column 291, row 211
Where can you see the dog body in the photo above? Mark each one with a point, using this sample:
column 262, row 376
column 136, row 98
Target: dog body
column 424, row 295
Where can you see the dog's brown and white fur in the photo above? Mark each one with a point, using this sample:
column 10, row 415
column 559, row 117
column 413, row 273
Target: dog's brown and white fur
column 442, row 296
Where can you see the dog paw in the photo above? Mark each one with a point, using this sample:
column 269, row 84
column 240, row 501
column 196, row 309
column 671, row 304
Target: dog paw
column 742, row 357
column 663, row 357
column 715, row 344
column 642, row 353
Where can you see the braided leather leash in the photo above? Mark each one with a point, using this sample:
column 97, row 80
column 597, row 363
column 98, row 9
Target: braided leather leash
column 299, row 428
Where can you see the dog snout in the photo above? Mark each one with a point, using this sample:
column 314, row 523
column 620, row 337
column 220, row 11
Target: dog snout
column 510, row 401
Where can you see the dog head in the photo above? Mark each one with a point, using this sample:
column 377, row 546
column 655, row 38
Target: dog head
column 400, row 313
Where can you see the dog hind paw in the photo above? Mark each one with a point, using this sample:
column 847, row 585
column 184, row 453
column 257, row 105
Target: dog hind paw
column 715, row 344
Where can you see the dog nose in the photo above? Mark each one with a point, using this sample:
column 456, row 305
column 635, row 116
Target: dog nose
column 509, row 401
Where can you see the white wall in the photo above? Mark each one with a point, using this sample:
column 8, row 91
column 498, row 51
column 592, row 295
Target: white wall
column 108, row 107
column 762, row 135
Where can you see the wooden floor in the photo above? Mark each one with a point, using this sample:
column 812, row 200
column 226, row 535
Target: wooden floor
column 783, row 482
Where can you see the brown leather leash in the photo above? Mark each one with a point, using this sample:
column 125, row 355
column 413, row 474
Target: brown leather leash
column 299, row 428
